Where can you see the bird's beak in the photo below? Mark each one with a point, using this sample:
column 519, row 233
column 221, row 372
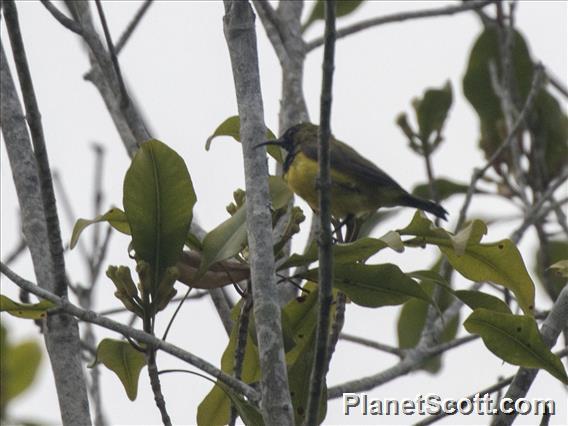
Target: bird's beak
column 276, row 142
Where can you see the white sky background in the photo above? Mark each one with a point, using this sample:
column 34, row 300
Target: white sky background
column 177, row 66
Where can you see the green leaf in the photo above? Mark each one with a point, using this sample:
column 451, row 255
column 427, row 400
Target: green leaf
column 19, row 365
column 158, row 200
column 410, row 325
column 467, row 236
column 115, row 217
column 499, row 262
column 371, row 220
column 422, row 227
column 249, row 414
column 225, row 241
column 232, row 127
column 280, row 193
column 549, row 128
column 300, row 323
column 444, row 189
column 25, row 310
column 515, row 339
column 230, row 237
column 342, row 8
column 548, row 122
column 432, row 276
column 123, row 360
column 297, row 379
column 356, row 251
column 479, row 91
column 478, row 299
column 432, row 110
column 374, row 286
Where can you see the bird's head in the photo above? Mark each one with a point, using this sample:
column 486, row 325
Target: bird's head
column 293, row 138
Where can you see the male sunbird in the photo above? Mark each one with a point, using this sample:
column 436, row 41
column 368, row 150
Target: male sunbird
column 357, row 185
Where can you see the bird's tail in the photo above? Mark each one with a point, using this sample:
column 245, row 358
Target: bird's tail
column 428, row 206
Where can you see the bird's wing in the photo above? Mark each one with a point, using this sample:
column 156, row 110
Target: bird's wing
column 345, row 159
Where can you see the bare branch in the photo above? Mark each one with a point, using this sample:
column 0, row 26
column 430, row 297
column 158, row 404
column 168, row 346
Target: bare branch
column 412, row 359
column 61, row 334
column 372, row 344
column 138, row 335
column 68, row 23
column 124, row 99
column 238, row 25
column 127, row 119
column 123, row 39
column 536, row 212
column 325, row 255
column 400, row 17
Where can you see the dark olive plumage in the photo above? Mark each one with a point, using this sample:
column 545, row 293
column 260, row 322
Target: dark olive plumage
column 358, row 186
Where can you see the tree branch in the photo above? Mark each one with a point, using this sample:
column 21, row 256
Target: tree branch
column 238, row 25
column 372, row 344
column 325, row 255
column 125, row 36
column 62, row 333
column 128, row 120
column 401, row 17
column 138, row 335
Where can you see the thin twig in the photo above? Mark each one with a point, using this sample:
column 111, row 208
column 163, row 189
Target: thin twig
column 181, row 302
column 68, row 23
column 372, row 344
column 536, row 212
column 125, row 36
column 124, row 99
column 138, row 335
column 325, row 278
column 16, row 252
column 68, row 210
column 400, row 17
column 97, row 192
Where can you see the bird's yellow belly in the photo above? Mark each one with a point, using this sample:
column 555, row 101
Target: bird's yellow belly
column 346, row 194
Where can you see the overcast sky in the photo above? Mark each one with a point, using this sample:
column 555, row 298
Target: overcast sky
column 177, row 66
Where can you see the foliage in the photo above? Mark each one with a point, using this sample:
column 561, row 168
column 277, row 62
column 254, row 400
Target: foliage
column 122, row 359
column 19, row 366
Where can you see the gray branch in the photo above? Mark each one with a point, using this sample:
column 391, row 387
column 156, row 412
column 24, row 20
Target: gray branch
column 138, row 335
column 401, row 17
column 128, row 120
column 238, row 25
column 61, row 333
column 325, row 255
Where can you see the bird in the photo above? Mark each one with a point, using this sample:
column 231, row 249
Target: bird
column 358, row 186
